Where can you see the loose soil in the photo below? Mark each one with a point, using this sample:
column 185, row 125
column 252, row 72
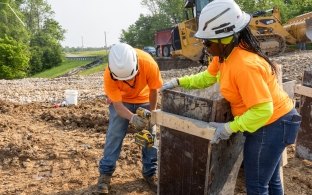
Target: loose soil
column 47, row 149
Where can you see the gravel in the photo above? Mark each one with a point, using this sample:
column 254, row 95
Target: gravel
column 52, row 90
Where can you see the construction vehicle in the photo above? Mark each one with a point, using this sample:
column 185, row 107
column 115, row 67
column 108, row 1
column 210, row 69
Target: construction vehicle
column 300, row 27
column 163, row 42
column 144, row 137
column 273, row 37
column 266, row 26
column 179, row 40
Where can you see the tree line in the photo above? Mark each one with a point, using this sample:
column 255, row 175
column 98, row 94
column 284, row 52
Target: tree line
column 167, row 13
column 29, row 38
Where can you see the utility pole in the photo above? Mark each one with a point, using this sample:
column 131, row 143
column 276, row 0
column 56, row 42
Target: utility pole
column 105, row 39
column 82, row 42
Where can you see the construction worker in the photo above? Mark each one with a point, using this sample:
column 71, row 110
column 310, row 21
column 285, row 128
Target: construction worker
column 131, row 80
column 248, row 81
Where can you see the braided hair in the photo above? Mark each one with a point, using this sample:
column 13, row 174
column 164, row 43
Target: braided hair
column 249, row 42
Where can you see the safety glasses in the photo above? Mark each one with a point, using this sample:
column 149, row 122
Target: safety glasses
column 223, row 41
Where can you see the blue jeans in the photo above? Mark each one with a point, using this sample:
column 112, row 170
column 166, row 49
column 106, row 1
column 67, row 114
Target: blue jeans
column 262, row 154
column 115, row 134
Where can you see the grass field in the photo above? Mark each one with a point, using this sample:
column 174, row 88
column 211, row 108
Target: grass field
column 91, row 53
column 93, row 70
column 65, row 67
column 68, row 65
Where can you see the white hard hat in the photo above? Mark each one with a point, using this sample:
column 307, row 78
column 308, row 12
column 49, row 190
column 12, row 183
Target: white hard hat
column 122, row 62
column 221, row 18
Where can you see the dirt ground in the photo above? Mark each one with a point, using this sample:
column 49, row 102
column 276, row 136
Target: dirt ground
column 55, row 150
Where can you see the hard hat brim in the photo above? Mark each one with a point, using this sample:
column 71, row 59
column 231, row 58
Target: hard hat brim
column 245, row 21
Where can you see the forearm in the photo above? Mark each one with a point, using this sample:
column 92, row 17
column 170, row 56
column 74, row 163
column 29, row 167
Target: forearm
column 122, row 110
column 153, row 97
column 197, row 81
column 255, row 118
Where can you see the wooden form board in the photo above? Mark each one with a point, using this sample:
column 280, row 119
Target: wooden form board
column 189, row 164
column 180, row 123
column 176, row 63
column 303, row 90
column 303, row 143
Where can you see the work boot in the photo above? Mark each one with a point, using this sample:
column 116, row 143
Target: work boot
column 152, row 182
column 103, row 185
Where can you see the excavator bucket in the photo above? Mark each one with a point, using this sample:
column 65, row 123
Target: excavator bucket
column 309, row 28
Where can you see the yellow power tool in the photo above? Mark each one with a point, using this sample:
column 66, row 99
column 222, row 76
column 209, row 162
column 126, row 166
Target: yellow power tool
column 144, row 138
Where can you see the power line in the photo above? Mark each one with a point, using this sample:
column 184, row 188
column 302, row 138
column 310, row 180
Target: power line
column 14, row 13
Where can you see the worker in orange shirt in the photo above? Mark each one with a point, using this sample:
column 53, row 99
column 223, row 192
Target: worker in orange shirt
column 131, row 80
column 248, row 81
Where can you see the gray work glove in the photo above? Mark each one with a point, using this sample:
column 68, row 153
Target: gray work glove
column 139, row 122
column 170, row 84
column 223, row 132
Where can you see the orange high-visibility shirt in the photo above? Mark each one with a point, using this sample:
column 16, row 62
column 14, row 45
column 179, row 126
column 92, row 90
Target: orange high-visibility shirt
column 148, row 77
column 246, row 80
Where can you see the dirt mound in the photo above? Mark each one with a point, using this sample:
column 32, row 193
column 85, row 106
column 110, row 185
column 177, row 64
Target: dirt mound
column 57, row 149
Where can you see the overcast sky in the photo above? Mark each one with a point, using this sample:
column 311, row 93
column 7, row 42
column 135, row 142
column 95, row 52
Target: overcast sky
column 85, row 21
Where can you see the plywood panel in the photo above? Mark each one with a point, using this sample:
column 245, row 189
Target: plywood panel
column 189, row 164
column 304, row 143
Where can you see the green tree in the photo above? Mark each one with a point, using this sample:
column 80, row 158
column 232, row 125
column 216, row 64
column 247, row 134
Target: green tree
column 142, row 32
column 14, row 40
column 39, row 40
column 163, row 14
column 46, row 51
column 36, row 12
column 13, row 59
column 10, row 25
column 288, row 8
column 173, row 10
column 293, row 8
column 45, row 47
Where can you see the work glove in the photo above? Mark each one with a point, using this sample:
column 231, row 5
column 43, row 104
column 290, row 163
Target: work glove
column 139, row 122
column 223, row 132
column 170, row 84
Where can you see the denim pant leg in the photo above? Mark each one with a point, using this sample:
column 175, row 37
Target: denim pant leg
column 115, row 134
column 262, row 154
column 149, row 155
column 275, row 184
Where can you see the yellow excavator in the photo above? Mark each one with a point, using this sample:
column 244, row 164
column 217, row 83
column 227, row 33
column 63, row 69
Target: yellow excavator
column 266, row 26
column 273, row 37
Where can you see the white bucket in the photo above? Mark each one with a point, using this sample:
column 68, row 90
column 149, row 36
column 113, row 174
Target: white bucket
column 71, row 96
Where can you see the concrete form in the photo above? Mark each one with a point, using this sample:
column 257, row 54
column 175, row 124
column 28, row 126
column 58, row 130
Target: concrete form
column 304, row 140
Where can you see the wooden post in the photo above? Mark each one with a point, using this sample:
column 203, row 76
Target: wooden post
column 304, row 143
column 188, row 163
column 284, row 154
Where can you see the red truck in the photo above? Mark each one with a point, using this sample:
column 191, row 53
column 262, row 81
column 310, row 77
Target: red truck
column 166, row 41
